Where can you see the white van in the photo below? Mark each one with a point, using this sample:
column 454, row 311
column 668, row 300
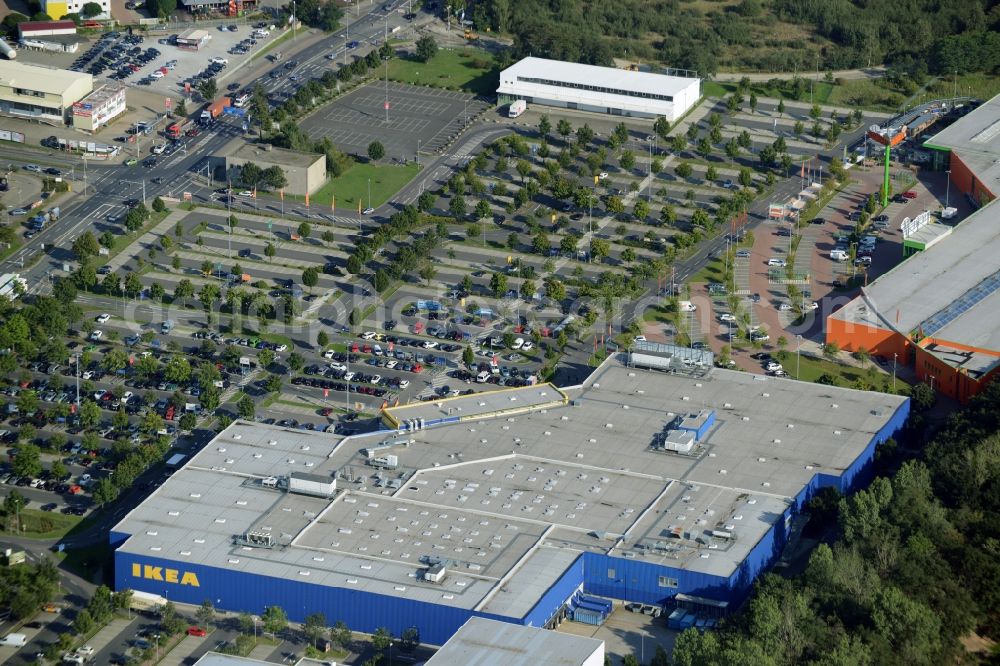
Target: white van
column 838, row 255
column 483, row 377
column 517, row 343
column 686, row 306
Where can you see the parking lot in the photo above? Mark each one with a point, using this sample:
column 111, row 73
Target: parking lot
column 157, row 64
column 417, row 116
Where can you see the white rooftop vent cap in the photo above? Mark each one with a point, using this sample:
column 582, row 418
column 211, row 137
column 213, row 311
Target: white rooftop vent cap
column 482, row 404
column 564, row 418
column 547, row 433
column 624, row 406
column 791, row 425
column 685, row 398
column 777, row 441
column 836, row 432
column 593, row 441
column 765, row 395
column 237, row 436
column 761, row 459
column 272, row 442
column 727, row 405
column 641, row 391
column 221, row 449
column 233, row 560
column 513, row 398
column 596, row 385
column 809, row 467
column 303, row 573
column 609, row 425
column 766, row 484
column 258, row 456
column 304, row 447
column 746, row 418
column 834, row 406
column 722, row 471
column 631, row 374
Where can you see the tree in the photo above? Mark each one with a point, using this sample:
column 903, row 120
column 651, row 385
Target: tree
column 426, row 48
column 781, row 107
column 208, row 88
column 314, row 627
column 753, row 103
column 376, row 151
column 683, row 170
column 627, row 160
column 245, row 408
column 305, row 230
column 91, row 9
column 85, row 246
column 274, row 619
column 815, row 112
column 270, row 251
column 711, row 174
column 599, row 248
column 468, row 356
column 584, row 135
column 498, row 284
column 457, row 206
column 310, row 277
column 640, row 210
column 205, row 613
column 428, row 272
column 544, row 125
column 482, row 209
column 528, row 289
column 668, row 215
column 564, row 127
column 340, row 634
column 188, row 422
column 27, row 462
column 158, row 205
column 272, row 384
column 381, row 639
column 177, row 370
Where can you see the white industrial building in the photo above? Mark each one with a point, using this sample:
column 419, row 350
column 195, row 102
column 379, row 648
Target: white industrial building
column 608, row 90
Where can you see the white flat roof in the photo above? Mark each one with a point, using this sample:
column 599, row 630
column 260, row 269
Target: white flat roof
column 975, row 138
column 483, row 642
column 945, row 290
column 37, row 77
column 525, row 493
column 594, row 86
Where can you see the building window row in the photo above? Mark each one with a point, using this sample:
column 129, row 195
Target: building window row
column 28, row 93
column 600, row 89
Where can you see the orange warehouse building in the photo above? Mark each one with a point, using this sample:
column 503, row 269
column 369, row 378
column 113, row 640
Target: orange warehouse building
column 938, row 311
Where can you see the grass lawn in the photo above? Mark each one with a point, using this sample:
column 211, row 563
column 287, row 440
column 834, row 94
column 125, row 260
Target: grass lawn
column 278, row 339
column 710, row 272
column 352, row 187
column 468, row 68
column 982, row 86
column 37, row 524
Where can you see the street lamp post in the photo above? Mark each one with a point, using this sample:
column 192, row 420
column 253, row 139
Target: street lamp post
column 369, row 192
column 894, row 355
column 947, row 187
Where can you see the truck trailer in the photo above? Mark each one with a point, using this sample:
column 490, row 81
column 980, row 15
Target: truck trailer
column 215, row 109
column 146, row 602
column 517, row 107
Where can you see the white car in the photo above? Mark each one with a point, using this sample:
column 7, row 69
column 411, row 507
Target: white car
column 391, row 364
column 85, row 650
column 329, row 353
column 810, row 306
column 772, row 366
column 376, row 379
column 103, row 318
column 245, row 193
column 281, row 348
column 743, row 254
column 368, row 335
column 430, row 344
column 339, row 367
column 518, row 344
column 725, row 316
column 218, row 61
column 403, row 383
column 528, row 346
column 602, row 175
column 784, row 307
column 157, row 74
column 97, row 335
column 639, row 338
column 349, row 376
column 32, row 167
column 774, row 261
column 158, row 149
column 368, row 211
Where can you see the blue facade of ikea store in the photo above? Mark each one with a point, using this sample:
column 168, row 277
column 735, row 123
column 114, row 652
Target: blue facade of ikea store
column 629, row 579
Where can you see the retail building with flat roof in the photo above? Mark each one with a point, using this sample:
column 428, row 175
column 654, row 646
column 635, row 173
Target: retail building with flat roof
column 937, row 311
column 608, row 90
column 41, row 93
column 639, row 485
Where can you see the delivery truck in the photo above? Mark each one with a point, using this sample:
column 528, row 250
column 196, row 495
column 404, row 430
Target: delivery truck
column 14, row 640
column 517, row 107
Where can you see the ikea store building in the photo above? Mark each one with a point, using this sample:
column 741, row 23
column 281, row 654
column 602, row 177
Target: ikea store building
column 527, row 505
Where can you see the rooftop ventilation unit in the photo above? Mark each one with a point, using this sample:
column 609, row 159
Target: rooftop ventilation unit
column 436, row 573
column 311, row 484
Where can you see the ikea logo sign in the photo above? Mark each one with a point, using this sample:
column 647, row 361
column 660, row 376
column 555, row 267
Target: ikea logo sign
column 165, row 575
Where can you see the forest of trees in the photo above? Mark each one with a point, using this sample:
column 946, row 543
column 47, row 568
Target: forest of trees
column 913, row 35
column 913, row 568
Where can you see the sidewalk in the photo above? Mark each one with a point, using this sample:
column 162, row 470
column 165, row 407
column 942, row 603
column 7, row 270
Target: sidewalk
column 148, row 239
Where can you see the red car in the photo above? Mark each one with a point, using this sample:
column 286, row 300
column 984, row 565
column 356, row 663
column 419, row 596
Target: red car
column 194, row 131
column 197, row 631
column 170, row 413
column 910, row 195
column 327, row 411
